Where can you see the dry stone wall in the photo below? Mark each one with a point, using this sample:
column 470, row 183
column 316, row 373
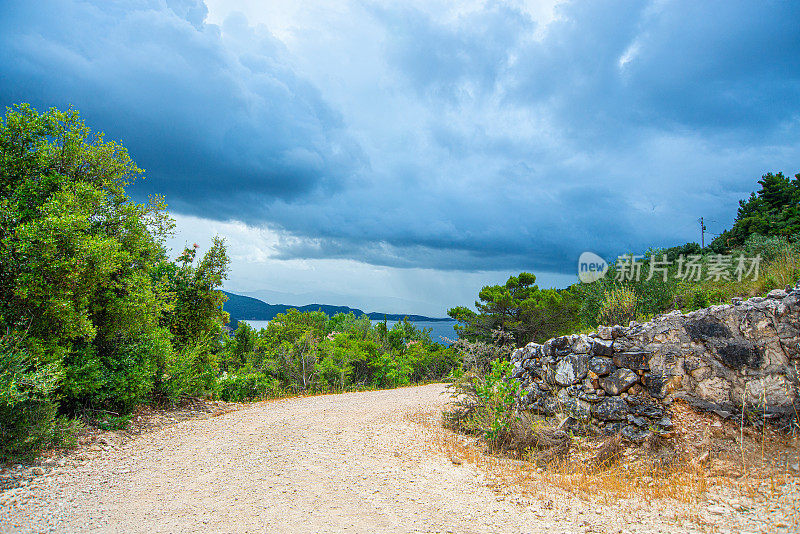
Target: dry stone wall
column 622, row 379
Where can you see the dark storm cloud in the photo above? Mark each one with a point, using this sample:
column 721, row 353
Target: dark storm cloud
column 502, row 142
column 220, row 127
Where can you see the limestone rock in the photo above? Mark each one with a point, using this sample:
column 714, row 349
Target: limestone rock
column 602, row 347
column 635, row 434
column 589, row 397
column 633, row 360
column 573, row 407
column 775, row 391
column 601, row 366
column 571, row 369
column 665, row 423
column 582, row 344
column 641, row 422
column 776, row 294
column 715, row 390
column 619, row 381
column 518, row 371
column 611, row 409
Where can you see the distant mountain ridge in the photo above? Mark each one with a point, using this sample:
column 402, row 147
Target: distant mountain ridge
column 245, row 308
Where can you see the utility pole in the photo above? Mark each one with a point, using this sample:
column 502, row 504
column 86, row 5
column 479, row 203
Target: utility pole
column 702, row 234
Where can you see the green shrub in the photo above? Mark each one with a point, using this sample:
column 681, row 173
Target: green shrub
column 392, row 369
column 433, row 363
column 191, row 372
column 618, row 306
column 116, row 375
column 498, row 395
column 27, row 405
column 486, row 405
column 768, row 247
column 783, row 270
column 246, row 384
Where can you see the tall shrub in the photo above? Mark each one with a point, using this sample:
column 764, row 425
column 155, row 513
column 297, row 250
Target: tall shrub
column 27, row 407
column 618, row 307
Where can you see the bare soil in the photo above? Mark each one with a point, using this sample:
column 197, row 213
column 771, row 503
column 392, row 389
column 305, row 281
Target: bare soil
column 354, row 462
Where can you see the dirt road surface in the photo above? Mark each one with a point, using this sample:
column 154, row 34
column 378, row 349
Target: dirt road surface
column 354, row 462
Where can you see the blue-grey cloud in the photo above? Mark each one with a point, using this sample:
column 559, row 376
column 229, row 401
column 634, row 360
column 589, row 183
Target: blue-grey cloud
column 220, row 126
column 485, row 140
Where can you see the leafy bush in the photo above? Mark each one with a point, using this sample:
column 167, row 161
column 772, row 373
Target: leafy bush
column 27, row 406
column 496, row 395
column 312, row 352
column 85, row 276
column 392, row 369
column 486, row 405
column 246, row 385
column 769, row 247
column 618, row 306
column 433, row 363
column 191, row 372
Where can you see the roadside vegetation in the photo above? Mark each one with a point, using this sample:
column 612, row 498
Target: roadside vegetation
column 759, row 253
column 310, row 352
column 96, row 319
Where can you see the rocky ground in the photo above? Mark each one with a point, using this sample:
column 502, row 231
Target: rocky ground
column 357, row 462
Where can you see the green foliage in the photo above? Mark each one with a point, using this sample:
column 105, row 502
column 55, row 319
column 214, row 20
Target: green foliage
column 104, row 320
column 432, row 362
column 770, row 248
column 485, row 405
column 618, row 306
column 75, row 255
column 519, row 308
column 478, row 356
column 189, row 372
column 483, row 395
column 498, row 394
column 195, row 309
column 247, row 384
column 307, row 351
column 772, row 211
column 27, row 407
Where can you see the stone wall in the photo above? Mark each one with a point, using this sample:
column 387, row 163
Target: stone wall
column 622, row 379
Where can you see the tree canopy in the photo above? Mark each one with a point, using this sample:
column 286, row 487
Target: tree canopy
column 518, row 307
column 774, row 210
column 86, row 287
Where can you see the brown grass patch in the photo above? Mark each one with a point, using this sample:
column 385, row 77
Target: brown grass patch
column 709, row 462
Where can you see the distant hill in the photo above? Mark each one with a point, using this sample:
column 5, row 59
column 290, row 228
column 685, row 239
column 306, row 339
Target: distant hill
column 250, row 309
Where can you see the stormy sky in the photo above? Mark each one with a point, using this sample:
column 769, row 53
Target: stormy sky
column 398, row 155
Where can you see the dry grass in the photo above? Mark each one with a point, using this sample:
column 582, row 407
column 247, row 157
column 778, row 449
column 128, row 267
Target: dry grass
column 780, row 272
column 709, row 461
column 592, row 468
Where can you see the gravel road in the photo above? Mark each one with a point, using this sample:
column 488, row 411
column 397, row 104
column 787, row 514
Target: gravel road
column 352, row 462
